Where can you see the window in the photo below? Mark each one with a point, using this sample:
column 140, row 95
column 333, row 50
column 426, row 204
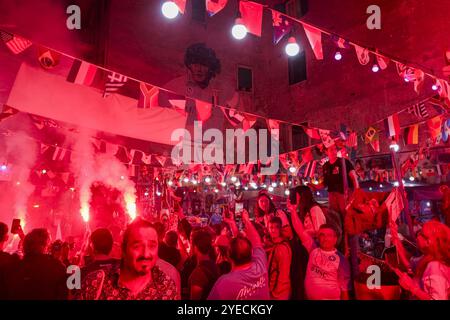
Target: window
column 297, row 68
column 199, row 10
column 245, row 79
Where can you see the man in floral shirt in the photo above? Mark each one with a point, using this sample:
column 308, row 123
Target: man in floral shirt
column 139, row 277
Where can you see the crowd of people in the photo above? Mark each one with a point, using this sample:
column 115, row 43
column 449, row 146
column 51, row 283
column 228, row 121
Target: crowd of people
column 302, row 251
column 276, row 254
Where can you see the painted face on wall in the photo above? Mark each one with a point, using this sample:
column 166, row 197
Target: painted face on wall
column 199, row 74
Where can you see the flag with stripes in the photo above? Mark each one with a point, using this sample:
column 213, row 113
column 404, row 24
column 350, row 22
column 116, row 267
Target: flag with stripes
column 82, row 73
column 339, row 42
column 419, row 110
column 392, row 125
column 411, row 134
column 114, row 83
column 148, row 96
column 362, row 54
column 15, row 43
column 310, row 169
column 281, row 26
column 382, row 62
column 59, row 154
column 352, row 140
column 313, row 133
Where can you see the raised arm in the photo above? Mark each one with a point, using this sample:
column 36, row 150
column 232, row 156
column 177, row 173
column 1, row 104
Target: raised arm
column 306, row 239
column 250, row 230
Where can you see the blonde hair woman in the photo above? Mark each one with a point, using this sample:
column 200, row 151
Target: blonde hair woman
column 432, row 275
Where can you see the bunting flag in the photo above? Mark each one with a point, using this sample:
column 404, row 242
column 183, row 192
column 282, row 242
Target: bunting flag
column 7, row 112
column 307, row 156
column 293, row 157
column 181, row 4
column 148, row 96
column 252, row 14
column 419, row 79
column 411, row 134
column 339, row 42
column 281, row 26
column 44, row 148
column 434, row 125
column 131, row 156
column 234, row 117
column 375, row 142
column 370, row 135
column 284, row 161
column 383, row 62
column 15, row 43
column 48, row 58
column 114, row 83
column 214, row 6
column 392, row 126
column 248, row 122
column 310, row 169
column 59, row 154
column 326, row 138
column 315, row 40
column 161, row 160
column 147, row 159
column 274, row 128
column 204, row 110
column 411, row 75
column 313, row 133
column 419, row 110
column 82, row 73
column 362, row 54
column 394, row 204
column 352, row 140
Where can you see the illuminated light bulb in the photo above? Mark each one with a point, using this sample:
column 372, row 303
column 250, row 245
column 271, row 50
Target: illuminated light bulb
column 253, row 185
column 434, row 87
column 370, row 188
column 292, row 169
column 318, row 193
column 72, row 189
column 315, row 182
column 281, row 184
column 233, row 179
column 207, row 179
column 186, row 180
column 170, row 182
column 406, row 79
column 237, row 184
column 146, row 194
column 194, row 181
column 411, row 178
column 245, row 188
column 170, row 10
column 428, row 204
column 337, row 56
column 270, row 189
column 3, row 167
column 394, row 146
column 122, row 178
column 375, row 68
column 216, row 190
column 264, row 185
column 36, row 206
column 287, row 192
column 396, row 183
column 274, row 184
column 292, row 48
column 223, row 184
column 381, row 186
column 44, row 171
column 239, row 30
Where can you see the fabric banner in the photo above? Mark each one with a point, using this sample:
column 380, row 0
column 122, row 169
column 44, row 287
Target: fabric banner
column 252, row 14
column 85, row 106
column 315, row 40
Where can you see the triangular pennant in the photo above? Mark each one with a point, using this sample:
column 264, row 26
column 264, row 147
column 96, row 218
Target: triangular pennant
column 315, row 40
column 312, row 133
column 204, row 110
column 161, row 160
column 382, row 61
column 147, row 159
column 214, row 6
column 252, row 14
column 362, row 54
column 7, row 112
column 274, row 128
column 44, row 148
column 281, row 26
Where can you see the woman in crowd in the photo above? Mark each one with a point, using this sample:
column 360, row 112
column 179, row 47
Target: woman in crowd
column 310, row 211
column 431, row 276
column 265, row 209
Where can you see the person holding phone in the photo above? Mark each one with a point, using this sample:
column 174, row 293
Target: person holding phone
column 265, row 209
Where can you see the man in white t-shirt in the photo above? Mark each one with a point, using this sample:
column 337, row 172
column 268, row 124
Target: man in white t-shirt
column 328, row 271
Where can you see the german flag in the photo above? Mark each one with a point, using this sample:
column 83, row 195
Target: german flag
column 411, row 134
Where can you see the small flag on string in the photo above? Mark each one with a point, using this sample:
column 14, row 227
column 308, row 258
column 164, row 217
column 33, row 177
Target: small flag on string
column 82, row 73
column 234, row 117
column 352, row 140
column 214, row 6
column 315, row 40
column 15, row 43
column 370, row 134
column 59, row 154
column 392, row 126
column 181, row 4
column 274, row 128
column 248, row 122
column 284, row 160
column 147, row 159
column 362, row 54
column 339, row 42
column 411, row 134
column 281, row 26
column 114, row 83
column 375, row 142
column 161, row 160
column 434, row 126
column 310, row 169
column 204, row 110
column 382, row 62
column 307, row 156
column 252, row 14
column 148, row 96
column 44, row 148
column 419, row 110
column 312, row 133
